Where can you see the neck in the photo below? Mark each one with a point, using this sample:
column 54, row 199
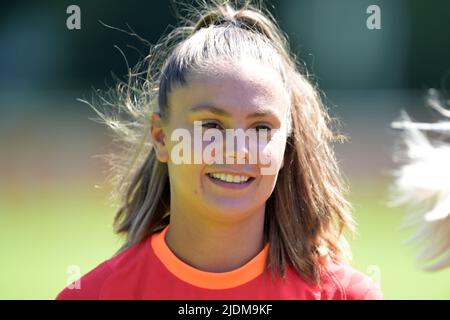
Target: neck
column 215, row 246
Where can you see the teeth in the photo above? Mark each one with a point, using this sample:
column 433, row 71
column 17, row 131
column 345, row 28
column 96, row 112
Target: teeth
column 229, row 177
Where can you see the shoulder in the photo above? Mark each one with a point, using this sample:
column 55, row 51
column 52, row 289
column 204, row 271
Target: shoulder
column 90, row 285
column 351, row 284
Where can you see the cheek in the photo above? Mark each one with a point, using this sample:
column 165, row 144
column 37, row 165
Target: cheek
column 186, row 180
column 183, row 169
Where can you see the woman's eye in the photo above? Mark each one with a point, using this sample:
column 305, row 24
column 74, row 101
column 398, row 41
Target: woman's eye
column 215, row 125
column 211, row 125
column 262, row 127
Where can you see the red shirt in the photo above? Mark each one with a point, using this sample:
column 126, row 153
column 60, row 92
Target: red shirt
column 149, row 270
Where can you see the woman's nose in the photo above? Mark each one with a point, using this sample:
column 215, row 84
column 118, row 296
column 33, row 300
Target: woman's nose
column 236, row 147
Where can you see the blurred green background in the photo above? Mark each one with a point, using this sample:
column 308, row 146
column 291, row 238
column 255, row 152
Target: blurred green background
column 54, row 205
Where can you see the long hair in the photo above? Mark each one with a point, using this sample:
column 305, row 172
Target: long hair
column 422, row 182
column 307, row 213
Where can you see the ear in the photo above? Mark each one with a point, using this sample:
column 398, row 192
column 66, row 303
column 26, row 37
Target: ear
column 158, row 137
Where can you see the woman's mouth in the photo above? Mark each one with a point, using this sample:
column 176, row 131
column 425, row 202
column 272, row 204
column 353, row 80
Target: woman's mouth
column 231, row 181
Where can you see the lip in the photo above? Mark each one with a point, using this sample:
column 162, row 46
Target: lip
column 231, row 185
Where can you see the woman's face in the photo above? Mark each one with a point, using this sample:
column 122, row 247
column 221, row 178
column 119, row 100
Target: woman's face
column 246, row 96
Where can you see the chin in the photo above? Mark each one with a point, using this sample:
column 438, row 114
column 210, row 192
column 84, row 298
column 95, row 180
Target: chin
column 231, row 208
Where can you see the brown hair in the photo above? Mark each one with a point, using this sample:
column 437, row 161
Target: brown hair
column 307, row 211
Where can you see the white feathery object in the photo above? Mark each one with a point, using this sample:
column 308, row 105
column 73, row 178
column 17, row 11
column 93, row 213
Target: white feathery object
column 422, row 183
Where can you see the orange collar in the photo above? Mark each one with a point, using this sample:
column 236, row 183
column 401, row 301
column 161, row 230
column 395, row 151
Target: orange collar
column 203, row 279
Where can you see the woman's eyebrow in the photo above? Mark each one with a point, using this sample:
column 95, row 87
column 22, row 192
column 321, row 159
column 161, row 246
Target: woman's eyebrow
column 209, row 108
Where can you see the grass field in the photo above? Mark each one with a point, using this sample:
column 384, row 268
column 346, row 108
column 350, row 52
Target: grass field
column 44, row 230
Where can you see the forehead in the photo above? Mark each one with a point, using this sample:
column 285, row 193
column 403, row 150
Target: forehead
column 238, row 88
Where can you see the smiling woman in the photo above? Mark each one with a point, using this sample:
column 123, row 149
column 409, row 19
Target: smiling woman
column 221, row 230
column 242, row 89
